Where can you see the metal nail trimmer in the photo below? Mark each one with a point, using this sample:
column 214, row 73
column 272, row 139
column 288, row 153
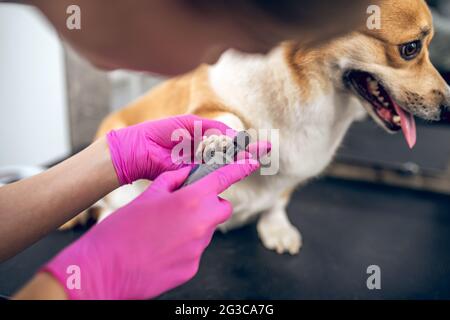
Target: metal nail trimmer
column 240, row 143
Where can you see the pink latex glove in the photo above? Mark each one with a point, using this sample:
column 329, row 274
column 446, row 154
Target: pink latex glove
column 144, row 151
column 154, row 243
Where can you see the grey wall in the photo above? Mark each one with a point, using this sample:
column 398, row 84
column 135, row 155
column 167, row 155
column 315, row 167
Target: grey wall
column 88, row 92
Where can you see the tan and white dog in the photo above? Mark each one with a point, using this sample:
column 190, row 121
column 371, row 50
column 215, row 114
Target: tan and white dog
column 312, row 96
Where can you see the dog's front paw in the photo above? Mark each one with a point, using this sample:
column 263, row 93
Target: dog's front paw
column 213, row 147
column 282, row 237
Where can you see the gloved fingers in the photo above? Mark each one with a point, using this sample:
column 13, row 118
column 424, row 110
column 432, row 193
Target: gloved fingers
column 170, row 181
column 223, row 178
column 245, row 157
column 255, row 152
column 225, row 211
column 180, row 274
column 248, row 158
column 215, row 212
column 206, row 241
column 208, row 126
column 259, row 149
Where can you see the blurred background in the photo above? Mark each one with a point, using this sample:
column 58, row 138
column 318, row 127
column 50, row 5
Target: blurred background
column 385, row 203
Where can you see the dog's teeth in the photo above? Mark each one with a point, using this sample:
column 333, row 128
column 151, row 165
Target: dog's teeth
column 386, row 104
column 397, row 120
column 373, row 86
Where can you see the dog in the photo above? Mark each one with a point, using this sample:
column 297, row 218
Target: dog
column 312, row 95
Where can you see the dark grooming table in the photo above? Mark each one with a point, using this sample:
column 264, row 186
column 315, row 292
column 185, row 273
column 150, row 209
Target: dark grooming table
column 367, row 144
column 346, row 227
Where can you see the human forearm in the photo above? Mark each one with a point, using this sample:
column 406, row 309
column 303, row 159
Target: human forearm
column 31, row 208
column 42, row 287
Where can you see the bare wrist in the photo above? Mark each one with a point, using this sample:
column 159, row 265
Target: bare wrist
column 42, row 287
column 103, row 163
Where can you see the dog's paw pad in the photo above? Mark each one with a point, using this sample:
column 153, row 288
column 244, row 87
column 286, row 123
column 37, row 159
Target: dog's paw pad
column 282, row 238
column 211, row 146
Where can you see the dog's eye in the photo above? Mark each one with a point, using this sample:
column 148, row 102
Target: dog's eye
column 410, row 50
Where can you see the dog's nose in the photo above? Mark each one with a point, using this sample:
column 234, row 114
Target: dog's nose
column 445, row 113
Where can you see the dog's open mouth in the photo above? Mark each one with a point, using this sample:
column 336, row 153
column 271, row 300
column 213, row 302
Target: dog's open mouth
column 383, row 108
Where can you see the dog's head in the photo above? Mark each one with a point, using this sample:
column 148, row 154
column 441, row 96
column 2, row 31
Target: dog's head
column 389, row 69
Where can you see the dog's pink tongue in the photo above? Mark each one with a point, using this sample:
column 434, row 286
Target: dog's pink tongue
column 408, row 125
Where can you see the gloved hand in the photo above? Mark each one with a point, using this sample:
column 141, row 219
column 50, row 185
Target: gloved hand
column 144, row 151
column 154, row 243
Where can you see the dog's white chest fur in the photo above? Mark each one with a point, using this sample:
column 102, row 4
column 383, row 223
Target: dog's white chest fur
column 263, row 90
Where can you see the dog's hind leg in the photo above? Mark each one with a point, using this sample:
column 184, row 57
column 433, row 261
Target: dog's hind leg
column 276, row 231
